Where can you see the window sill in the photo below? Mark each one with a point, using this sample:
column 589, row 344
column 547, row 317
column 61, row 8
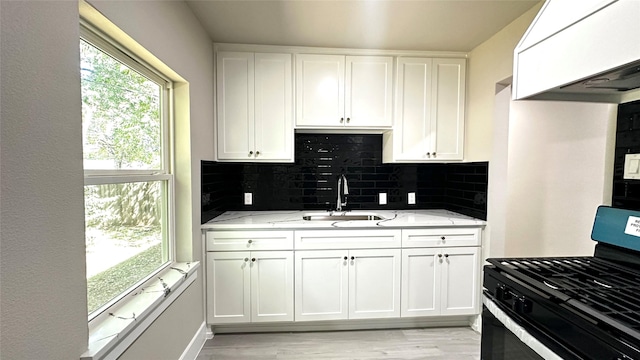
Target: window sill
column 111, row 336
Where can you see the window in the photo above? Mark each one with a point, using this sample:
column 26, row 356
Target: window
column 128, row 180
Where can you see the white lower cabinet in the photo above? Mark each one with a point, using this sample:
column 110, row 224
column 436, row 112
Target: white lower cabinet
column 311, row 275
column 440, row 281
column 347, row 284
column 374, row 283
column 249, row 286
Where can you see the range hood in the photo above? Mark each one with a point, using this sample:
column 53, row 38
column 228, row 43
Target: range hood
column 586, row 50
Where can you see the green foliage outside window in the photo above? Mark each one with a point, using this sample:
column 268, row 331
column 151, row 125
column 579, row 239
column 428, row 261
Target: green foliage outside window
column 122, row 131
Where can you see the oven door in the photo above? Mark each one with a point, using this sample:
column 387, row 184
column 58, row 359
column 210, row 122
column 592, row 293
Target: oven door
column 504, row 339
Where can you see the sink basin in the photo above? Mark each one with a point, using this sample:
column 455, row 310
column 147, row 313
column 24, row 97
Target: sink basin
column 342, row 216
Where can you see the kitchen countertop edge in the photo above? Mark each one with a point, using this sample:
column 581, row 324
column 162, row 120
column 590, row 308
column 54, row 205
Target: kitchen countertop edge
column 292, row 220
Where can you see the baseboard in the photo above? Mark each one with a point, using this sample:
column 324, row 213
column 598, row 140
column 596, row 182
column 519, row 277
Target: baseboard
column 196, row 344
column 338, row 325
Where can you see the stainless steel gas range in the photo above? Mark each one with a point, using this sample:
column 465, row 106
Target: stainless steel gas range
column 568, row 307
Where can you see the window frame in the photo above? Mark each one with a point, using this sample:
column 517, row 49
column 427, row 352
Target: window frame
column 164, row 175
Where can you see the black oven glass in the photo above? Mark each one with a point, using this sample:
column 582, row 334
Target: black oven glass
column 499, row 343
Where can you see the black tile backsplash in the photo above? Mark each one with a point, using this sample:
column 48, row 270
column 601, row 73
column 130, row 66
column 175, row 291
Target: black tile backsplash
column 310, row 182
column 626, row 193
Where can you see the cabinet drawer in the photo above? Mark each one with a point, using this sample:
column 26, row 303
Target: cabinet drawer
column 248, row 240
column 347, row 239
column 441, row 237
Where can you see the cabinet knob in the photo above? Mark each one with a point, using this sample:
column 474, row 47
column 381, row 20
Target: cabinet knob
column 442, row 238
column 250, row 241
column 250, row 153
column 434, row 154
column 428, row 154
column 345, row 258
column 446, row 255
column 253, row 259
column 353, row 258
column 439, row 255
column 258, row 153
column 246, row 259
column 341, row 120
column 348, row 119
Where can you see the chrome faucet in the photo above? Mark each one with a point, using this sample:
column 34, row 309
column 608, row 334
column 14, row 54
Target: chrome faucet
column 344, row 188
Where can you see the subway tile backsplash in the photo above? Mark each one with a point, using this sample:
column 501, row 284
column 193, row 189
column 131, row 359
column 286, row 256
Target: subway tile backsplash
column 310, row 182
column 626, row 193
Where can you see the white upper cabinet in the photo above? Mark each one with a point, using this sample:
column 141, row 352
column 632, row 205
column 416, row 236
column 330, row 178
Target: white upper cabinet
column 429, row 115
column 368, row 91
column 235, row 91
column 319, row 90
column 254, row 106
column 447, row 112
column 336, row 91
column 411, row 136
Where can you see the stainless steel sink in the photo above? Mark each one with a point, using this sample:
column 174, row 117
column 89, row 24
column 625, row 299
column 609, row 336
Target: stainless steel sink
column 342, row 216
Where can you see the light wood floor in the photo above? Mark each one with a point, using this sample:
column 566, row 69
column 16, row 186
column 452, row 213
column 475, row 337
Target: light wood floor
column 433, row 343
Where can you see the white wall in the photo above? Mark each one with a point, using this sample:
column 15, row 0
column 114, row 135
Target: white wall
column 560, row 168
column 43, row 306
column 550, row 163
column 171, row 332
column 489, row 63
column 42, row 251
column 498, row 166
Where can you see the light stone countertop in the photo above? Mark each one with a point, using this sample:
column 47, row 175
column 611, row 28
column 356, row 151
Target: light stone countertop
column 245, row 220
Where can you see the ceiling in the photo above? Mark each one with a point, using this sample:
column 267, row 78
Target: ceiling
column 429, row 25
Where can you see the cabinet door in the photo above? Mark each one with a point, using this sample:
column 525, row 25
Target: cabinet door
column 322, row 289
column 460, row 281
column 421, row 273
column 368, row 91
column 273, row 107
column 271, row 286
column 374, row 283
column 320, row 90
column 228, row 288
column 412, row 132
column 447, row 112
column 235, row 105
